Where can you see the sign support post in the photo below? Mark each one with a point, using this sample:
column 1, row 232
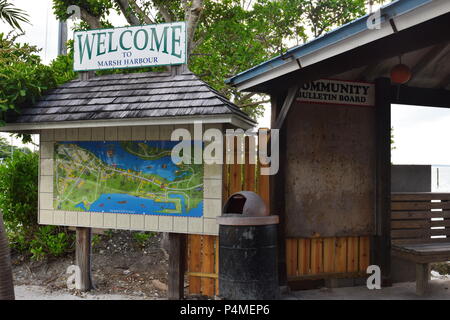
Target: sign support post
column 177, row 261
column 83, row 257
column 83, row 244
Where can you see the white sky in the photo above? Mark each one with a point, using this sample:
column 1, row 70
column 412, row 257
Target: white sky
column 420, row 133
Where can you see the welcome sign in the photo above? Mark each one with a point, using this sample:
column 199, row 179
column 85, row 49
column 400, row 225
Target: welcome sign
column 130, row 47
column 338, row 92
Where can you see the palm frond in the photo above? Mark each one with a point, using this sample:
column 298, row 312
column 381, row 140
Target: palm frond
column 12, row 15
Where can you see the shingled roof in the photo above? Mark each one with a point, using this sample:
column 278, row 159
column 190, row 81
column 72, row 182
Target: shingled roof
column 129, row 96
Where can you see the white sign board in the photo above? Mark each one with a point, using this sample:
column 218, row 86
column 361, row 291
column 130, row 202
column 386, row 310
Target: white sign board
column 338, row 92
column 130, row 47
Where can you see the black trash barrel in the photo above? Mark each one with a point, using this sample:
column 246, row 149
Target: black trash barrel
column 247, row 249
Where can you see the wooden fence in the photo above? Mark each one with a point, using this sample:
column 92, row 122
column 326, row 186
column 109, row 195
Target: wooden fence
column 203, row 251
column 420, row 217
column 326, row 257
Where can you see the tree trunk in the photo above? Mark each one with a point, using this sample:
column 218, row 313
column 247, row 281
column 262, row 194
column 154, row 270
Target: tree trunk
column 6, row 278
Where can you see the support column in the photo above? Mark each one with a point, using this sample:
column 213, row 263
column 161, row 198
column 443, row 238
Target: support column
column 422, row 276
column 382, row 239
column 277, row 198
column 83, row 257
column 177, row 261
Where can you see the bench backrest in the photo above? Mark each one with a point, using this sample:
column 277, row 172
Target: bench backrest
column 420, row 217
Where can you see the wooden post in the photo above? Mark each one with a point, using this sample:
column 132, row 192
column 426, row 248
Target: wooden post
column 277, row 190
column 382, row 239
column 83, row 257
column 177, row 260
column 422, row 275
column 83, row 235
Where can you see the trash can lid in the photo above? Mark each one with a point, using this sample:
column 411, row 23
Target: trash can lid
column 246, row 208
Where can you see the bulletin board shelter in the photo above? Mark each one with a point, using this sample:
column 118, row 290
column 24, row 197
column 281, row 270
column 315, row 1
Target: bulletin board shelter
column 332, row 192
column 126, row 108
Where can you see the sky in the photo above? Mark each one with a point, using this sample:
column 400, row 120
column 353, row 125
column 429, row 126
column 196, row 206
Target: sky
column 420, row 133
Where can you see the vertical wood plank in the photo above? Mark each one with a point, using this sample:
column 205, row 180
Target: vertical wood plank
column 292, row 258
column 177, row 242
column 341, row 255
column 316, row 255
column 304, row 256
column 207, row 265
column 83, row 257
column 329, row 247
column 352, row 254
column 263, row 180
column 216, row 264
column 195, row 248
column 364, row 253
column 235, row 171
column 249, row 169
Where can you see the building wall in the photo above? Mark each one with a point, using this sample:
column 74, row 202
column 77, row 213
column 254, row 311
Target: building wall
column 47, row 215
column 411, row 178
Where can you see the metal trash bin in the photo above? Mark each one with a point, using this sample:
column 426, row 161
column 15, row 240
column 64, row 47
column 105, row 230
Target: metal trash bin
column 247, row 249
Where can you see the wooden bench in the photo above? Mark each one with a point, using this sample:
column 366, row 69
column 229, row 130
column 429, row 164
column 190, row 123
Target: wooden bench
column 420, row 230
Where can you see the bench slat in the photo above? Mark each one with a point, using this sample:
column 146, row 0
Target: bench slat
column 403, row 215
column 407, row 196
column 409, row 206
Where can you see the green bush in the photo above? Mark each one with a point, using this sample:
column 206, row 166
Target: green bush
column 141, row 238
column 19, row 203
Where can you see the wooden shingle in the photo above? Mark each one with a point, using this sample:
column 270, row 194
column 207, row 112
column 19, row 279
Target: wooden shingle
column 126, row 96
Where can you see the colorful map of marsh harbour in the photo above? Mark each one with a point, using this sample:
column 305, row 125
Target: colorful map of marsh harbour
column 134, row 177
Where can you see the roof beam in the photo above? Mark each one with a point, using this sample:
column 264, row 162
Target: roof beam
column 420, row 96
column 444, row 83
column 292, row 92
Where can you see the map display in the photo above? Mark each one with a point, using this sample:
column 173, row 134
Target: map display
column 134, row 177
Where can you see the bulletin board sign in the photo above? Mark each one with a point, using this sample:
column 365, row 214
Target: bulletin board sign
column 129, row 177
column 338, row 92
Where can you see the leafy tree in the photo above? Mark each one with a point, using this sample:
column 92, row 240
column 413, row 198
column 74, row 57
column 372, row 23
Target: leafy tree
column 19, row 204
column 11, row 15
column 23, row 76
column 229, row 36
column 6, row 150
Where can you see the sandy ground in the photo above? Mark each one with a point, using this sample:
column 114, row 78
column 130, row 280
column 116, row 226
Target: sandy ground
column 438, row 290
column 24, row 292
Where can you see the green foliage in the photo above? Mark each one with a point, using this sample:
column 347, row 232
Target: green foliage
column 62, row 68
column 18, row 200
column 11, row 15
column 141, row 238
column 18, row 189
column 50, row 241
column 6, row 149
column 23, row 77
column 98, row 8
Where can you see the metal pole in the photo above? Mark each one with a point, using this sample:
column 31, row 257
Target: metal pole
column 62, row 38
